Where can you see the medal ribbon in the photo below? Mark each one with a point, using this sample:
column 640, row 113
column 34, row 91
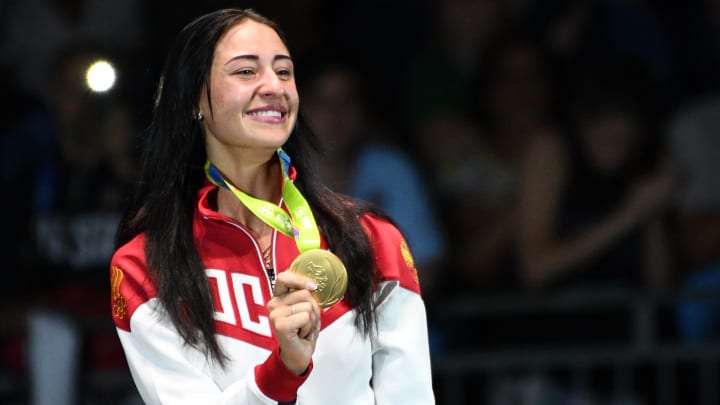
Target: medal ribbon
column 299, row 224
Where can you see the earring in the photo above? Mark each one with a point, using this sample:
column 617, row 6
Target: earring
column 198, row 116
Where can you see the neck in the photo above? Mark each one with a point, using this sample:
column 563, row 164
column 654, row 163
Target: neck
column 260, row 179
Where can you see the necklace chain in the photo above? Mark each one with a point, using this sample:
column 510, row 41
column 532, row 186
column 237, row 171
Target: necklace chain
column 266, row 255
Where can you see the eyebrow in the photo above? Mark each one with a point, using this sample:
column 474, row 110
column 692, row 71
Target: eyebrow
column 256, row 57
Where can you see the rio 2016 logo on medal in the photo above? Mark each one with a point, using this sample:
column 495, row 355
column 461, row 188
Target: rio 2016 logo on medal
column 327, row 271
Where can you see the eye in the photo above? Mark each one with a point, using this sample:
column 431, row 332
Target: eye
column 244, row 72
column 284, row 73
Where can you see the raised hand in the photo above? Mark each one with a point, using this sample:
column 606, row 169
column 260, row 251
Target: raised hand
column 295, row 316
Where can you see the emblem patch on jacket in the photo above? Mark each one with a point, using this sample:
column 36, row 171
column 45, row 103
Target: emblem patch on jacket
column 118, row 301
column 409, row 261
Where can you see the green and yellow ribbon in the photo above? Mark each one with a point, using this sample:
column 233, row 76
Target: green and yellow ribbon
column 298, row 223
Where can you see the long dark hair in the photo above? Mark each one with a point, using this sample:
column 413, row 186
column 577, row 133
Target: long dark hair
column 171, row 173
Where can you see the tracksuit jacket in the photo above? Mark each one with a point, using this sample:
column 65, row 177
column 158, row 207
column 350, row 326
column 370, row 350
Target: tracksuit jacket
column 390, row 366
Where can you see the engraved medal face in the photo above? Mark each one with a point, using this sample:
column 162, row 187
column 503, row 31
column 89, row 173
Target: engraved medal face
column 327, row 271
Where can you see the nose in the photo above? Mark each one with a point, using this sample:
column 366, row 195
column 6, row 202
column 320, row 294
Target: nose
column 271, row 85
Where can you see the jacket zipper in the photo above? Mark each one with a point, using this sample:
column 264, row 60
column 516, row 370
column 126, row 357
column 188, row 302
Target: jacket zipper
column 269, row 271
column 271, row 276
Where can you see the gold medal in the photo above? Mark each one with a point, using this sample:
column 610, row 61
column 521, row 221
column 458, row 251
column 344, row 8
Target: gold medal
column 327, row 271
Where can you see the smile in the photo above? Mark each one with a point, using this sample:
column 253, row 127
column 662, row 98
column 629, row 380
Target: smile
column 266, row 113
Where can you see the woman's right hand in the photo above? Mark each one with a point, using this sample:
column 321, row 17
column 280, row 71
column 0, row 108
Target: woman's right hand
column 295, row 317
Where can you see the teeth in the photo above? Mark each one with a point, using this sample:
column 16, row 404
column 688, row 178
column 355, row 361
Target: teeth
column 268, row 113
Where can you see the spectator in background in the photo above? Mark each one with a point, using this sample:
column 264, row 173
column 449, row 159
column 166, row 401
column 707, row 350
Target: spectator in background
column 451, row 155
column 363, row 160
column 694, row 139
column 76, row 156
column 593, row 198
column 592, row 215
column 476, row 160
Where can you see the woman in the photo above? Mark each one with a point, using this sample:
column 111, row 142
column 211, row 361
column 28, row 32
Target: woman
column 202, row 314
column 594, row 200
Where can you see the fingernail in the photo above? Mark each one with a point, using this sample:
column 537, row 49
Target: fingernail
column 311, row 286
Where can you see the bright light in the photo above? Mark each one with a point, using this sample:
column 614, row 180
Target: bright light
column 100, row 76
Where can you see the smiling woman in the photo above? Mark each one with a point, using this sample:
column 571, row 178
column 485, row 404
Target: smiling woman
column 203, row 304
column 251, row 100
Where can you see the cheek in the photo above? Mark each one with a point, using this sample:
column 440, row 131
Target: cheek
column 294, row 105
column 294, row 99
column 230, row 103
column 227, row 97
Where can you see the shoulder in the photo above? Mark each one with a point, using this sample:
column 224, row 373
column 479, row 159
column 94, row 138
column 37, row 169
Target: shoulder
column 393, row 258
column 383, row 156
column 380, row 150
column 130, row 283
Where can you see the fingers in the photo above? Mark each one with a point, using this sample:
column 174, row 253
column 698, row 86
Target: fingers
column 299, row 306
column 287, row 282
column 292, row 299
column 305, row 318
column 301, row 324
column 296, row 311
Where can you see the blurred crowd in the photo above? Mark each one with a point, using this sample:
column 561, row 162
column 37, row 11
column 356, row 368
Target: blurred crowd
column 522, row 146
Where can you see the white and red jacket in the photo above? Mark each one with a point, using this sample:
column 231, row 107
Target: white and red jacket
column 391, row 366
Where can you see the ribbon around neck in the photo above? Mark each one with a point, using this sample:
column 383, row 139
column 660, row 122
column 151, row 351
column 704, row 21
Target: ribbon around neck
column 298, row 224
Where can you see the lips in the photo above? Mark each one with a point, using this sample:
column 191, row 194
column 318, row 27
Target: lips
column 270, row 113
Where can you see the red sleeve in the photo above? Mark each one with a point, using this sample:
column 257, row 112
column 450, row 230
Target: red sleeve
column 392, row 255
column 129, row 283
column 276, row 381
